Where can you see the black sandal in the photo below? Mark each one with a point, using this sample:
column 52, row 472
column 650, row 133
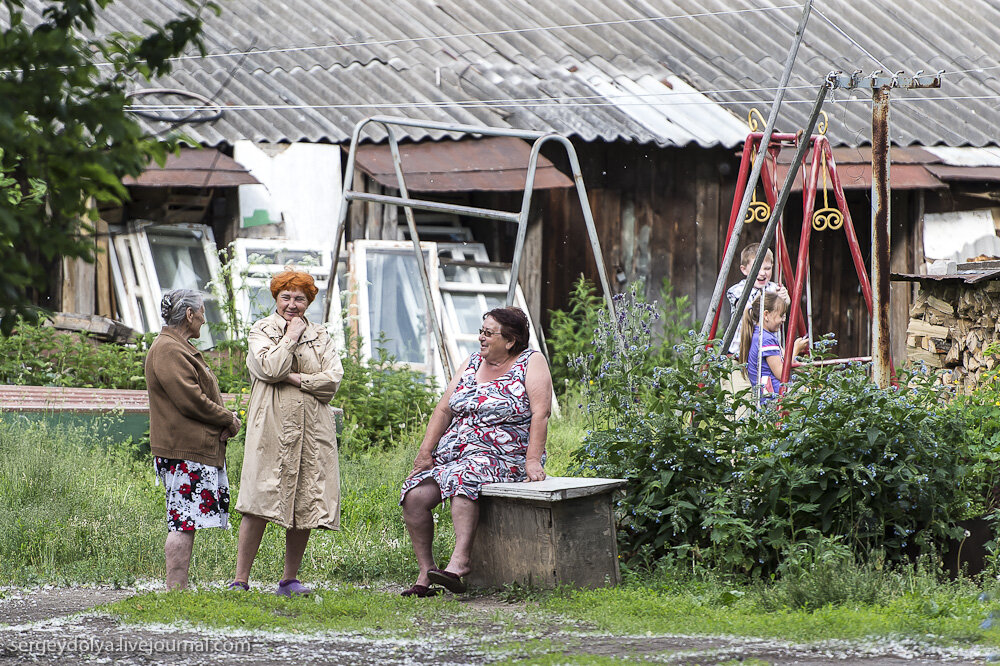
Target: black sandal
column 420, row 591
column 450, row 581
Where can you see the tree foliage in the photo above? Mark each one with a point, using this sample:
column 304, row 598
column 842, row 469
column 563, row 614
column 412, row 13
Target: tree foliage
column 67, row 137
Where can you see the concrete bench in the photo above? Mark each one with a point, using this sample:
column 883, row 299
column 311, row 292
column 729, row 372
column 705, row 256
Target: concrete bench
column 560, row 531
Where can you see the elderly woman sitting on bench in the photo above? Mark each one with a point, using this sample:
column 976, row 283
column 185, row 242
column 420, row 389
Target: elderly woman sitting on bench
column 489, row 427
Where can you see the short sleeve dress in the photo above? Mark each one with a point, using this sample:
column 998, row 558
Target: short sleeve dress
column 768, row 344
column 487, row 440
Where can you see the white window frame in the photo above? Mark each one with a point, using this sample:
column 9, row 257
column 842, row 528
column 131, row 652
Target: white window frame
column 453, row 333
column 250, row 274
column 136, row 271
column 359, row 266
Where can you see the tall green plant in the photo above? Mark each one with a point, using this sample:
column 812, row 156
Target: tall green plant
column 881, row 468
column 836, row 457
column 381, row 399
column 571, row 331
column 675, row 445
column 981, row 409
column 38, row 355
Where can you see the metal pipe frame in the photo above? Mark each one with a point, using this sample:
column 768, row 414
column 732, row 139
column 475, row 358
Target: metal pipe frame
column 779, row 208
column 408, row 204
column 758, row 164
column 782, row 260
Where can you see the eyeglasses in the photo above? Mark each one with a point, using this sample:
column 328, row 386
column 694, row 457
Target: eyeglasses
column 488, row 334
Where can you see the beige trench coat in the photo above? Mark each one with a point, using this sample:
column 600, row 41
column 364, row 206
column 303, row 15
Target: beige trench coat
column 290, row 472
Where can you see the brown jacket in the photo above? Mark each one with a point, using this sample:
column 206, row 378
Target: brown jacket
column 290, row 472
column 186, row 415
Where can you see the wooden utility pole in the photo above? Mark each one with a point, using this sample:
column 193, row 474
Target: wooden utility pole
column 881, row 84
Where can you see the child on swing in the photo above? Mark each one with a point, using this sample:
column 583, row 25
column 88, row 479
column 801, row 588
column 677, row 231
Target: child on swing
column 760, row 343
column 758, row 286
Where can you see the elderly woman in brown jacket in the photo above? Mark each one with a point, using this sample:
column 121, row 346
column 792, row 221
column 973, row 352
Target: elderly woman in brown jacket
column 188, row 429
column 290, row 471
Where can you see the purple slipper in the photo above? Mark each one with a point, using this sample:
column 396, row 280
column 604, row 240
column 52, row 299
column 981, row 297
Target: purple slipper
column 450, row 581
column 239, row 585
column 288, row 588
column 420, row 591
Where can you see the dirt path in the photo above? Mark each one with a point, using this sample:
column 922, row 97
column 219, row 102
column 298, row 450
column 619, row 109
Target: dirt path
column 54, row 626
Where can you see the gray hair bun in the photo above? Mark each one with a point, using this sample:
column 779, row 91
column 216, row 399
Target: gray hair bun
column 174, row 305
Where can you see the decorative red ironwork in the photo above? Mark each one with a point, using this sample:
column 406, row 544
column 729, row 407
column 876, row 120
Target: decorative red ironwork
column 821, row 159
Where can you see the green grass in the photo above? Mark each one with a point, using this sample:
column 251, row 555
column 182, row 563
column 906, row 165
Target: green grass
column 949, row 614
column 76, row 508
column 344, row 609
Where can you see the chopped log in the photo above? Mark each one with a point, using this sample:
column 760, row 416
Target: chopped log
column 942, row 306
column 918, row 327
column 971, row 363
column 930, row 358
column 953, row 357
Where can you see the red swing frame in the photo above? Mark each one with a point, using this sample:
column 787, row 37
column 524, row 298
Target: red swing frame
column 820, row 149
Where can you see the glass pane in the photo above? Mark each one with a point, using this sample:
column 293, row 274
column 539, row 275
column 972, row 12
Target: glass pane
column 314, row 312
column 468, row 312
column 214, row 330
column 261, row 301
column 456, row 273
column 494, row 301
column 283, row 256
column 142, row 315
column 493, row 276
column 179, row 262
column 396, row 307
column 466, row 347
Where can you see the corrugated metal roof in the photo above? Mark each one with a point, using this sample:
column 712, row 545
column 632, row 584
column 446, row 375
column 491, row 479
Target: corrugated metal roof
column 624, row 79
column 966, row 276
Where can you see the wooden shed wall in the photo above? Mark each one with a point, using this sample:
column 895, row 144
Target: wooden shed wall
column 663, row 213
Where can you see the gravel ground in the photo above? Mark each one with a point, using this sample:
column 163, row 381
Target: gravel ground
column 54, row 625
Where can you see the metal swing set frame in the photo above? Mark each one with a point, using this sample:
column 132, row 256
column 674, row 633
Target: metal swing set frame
column 834, row 218
column 404, row 200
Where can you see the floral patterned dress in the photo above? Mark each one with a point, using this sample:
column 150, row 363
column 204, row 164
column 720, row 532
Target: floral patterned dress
column 487, row 440
column 197, row 494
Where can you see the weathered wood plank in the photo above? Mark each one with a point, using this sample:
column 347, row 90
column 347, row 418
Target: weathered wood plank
column 552, row 489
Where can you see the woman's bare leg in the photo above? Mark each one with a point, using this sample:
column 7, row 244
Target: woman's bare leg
column 417, row 505
column 295, row 548
column 251, row 532
column 465, row 517
column 177, row 551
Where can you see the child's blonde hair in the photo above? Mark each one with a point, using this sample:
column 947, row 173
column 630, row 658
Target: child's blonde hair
column 772, row 302
column 749, row 253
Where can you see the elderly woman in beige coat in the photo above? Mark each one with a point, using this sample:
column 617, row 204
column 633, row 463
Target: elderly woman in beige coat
column 290, row 472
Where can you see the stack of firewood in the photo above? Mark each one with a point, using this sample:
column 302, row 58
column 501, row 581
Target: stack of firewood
column 951, row 326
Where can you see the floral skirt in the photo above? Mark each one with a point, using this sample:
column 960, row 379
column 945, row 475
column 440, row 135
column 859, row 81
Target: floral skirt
column 465, row 474
column 197, row 494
